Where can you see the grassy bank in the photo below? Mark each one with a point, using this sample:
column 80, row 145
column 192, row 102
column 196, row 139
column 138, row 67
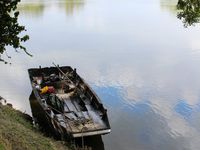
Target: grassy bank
column 17, row 133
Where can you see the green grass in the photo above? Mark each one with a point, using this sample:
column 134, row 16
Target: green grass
column 1, row 147
column 16, row 133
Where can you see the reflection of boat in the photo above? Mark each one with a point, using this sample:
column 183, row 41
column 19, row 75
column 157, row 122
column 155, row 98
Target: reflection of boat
column 94, row 142
column 68, row 104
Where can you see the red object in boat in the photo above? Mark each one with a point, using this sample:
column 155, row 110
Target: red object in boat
column 51, row 89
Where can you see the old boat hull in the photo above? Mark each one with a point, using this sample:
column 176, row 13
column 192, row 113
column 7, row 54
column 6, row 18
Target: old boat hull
column 72, row 109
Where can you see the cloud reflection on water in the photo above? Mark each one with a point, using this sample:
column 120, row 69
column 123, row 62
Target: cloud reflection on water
column 156, row 106
column 150, row 124
column 145, row 70
column 153, row 99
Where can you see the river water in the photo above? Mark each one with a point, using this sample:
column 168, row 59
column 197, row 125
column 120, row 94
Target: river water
column 135, row 54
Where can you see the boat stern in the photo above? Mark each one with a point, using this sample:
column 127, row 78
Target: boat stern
column 91, row 133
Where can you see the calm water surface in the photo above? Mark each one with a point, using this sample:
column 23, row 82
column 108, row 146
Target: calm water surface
column 136, row 55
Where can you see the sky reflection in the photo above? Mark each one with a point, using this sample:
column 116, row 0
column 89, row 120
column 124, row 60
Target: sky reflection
column 140, row 60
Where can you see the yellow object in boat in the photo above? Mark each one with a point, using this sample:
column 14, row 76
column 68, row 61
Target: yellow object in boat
column 44, row 90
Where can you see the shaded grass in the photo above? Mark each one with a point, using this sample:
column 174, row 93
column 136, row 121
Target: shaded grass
column 16, row 133
column 1, row 147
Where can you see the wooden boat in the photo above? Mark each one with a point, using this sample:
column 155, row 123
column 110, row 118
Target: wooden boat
column 69, row 106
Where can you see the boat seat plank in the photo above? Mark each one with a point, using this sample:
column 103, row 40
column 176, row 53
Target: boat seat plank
column 85, row 99
column 70, row 105
column 96, row 118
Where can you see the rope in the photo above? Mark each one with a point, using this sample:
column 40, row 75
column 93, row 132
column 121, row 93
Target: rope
column 63, row 73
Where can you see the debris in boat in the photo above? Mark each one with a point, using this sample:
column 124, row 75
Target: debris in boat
column 47, row 89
